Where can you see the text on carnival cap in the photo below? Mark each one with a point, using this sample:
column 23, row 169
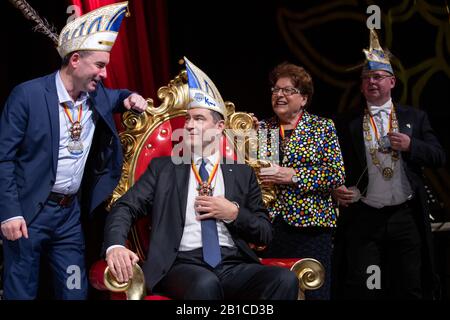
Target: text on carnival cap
column 202, row 91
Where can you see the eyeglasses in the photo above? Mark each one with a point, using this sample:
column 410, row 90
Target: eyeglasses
column 288, row 91
column 376, row 77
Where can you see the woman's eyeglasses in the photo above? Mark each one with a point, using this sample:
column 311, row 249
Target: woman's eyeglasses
column 288, row 91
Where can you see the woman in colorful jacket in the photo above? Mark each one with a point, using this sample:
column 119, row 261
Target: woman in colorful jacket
column 310, row 166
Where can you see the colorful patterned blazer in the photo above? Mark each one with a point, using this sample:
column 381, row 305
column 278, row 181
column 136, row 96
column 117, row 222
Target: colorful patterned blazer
column 314, row 153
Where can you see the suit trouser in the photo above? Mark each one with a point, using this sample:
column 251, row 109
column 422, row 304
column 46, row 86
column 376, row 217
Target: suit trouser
column 56, row 233
column 190, row 278
column 382, row 253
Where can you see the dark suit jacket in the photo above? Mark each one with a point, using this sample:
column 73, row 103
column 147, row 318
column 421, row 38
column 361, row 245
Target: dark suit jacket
column 426, row 151
column 162, row 191
column 29, row 142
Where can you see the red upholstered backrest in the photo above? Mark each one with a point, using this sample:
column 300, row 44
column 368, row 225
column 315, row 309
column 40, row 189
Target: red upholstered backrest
column 157, row 144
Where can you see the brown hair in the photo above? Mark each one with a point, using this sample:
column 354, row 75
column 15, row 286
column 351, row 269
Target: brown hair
column 298, row 75
column 65, row 61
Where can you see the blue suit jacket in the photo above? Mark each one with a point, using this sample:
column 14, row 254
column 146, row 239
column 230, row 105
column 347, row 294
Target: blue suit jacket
column 29, row 142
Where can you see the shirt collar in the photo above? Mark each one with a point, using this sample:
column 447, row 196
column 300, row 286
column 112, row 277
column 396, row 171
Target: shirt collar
column 385, row 107
column 212, row 159
column 63, row 95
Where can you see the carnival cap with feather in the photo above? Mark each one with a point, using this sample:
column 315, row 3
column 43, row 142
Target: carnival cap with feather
column 202, row 91
column 96, row 30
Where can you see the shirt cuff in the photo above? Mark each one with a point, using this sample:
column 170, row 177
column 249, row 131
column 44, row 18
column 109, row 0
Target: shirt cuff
column 228, row 221
column 114, row 246
column 13, row 218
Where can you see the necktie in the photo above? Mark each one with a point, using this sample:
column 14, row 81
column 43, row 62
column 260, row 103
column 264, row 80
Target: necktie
column 379, row 113
column 379, row 120
column 210, row 239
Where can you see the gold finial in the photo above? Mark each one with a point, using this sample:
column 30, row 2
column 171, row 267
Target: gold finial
column 374, row 43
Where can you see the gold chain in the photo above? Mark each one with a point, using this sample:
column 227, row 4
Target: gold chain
column 386, row 172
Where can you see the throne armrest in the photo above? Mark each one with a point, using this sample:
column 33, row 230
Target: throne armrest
column 310, row 272
column 101, row 279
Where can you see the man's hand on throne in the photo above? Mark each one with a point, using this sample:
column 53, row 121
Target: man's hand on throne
column 135, row 102
column 120, row 262
column 215, row 208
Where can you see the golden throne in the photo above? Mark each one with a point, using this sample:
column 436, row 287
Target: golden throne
column 149, row 135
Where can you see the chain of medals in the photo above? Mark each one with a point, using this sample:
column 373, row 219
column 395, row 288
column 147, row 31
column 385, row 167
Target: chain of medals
column 382, row 144
column 75, row 146
column 283, row 140
column 204, row 188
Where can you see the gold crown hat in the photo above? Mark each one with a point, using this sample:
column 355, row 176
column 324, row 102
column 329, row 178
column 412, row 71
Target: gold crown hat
column 202, row 91
column 376, row 58
column 96, row 30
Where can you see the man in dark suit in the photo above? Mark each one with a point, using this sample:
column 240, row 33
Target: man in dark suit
column 50, row 130
column 383, row 243
column 203, row 216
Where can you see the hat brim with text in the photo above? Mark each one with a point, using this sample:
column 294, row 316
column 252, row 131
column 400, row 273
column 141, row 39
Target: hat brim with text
column 202, row 91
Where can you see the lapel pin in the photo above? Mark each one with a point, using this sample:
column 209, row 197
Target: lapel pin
column 408, row 125
column 230, row 170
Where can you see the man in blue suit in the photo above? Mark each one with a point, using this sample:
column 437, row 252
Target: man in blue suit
column 52, row 130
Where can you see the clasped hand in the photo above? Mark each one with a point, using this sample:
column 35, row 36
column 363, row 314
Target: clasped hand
column 215, row 208
column 399, row 141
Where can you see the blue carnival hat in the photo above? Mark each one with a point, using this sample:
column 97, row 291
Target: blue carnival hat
column 376, row 58
column 202, row 91
column 96, row 30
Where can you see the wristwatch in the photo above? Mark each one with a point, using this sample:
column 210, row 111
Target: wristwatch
column 295, row 179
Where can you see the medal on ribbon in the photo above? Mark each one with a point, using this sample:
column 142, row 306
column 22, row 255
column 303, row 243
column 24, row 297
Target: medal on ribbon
column 384, row 145
column 204, row 188
column 75, row 146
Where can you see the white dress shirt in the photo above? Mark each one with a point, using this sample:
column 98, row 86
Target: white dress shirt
column 382, row 192
column 69, row 172
column 192, row 232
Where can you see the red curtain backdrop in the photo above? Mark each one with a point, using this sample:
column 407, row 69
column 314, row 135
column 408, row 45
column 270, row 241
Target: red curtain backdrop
column 140, row 57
